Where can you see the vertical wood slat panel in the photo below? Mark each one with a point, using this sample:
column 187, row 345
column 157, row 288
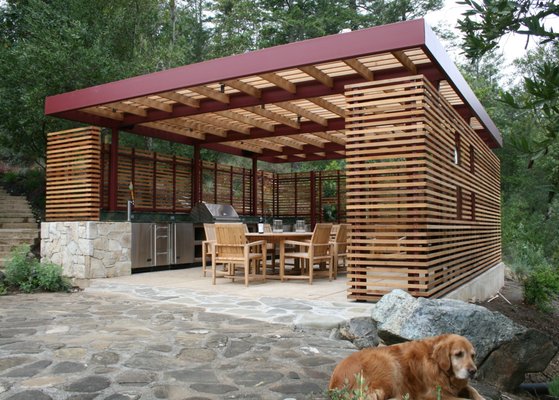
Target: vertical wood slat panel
column 402, row 185
column 73, row 175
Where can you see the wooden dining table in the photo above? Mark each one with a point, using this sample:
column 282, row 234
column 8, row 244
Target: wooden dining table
column 276, row 238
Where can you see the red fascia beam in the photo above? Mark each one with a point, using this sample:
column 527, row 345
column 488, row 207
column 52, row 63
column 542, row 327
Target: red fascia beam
column 438, row 55
column 374, row 40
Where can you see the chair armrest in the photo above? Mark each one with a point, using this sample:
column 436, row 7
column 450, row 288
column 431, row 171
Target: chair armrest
column 257, row 243
column 296, row 243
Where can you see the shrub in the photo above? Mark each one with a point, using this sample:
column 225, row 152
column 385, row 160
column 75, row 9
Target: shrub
column 345, row 393
column 554, row 387
column 24, row 271
column 541, row 286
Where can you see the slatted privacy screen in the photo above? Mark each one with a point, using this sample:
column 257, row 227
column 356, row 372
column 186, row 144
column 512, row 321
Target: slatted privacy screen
column 161, row 183
column 422, row 192
column 73, row 175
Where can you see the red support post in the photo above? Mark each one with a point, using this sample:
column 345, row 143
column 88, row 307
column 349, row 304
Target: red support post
column 313, row 199
column 254, row 186
column 113, row 171
column 196, row 176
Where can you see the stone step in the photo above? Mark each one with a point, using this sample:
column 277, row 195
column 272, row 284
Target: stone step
column 18, row 225
column 16, row 218
column 8, row 236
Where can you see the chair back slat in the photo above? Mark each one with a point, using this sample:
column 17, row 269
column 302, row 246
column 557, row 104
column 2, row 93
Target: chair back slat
column 341, row 237
column 230, row 235
column 321, row 235
column 209, row 231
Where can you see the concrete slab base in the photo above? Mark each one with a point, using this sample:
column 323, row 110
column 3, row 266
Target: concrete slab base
column 482, row 287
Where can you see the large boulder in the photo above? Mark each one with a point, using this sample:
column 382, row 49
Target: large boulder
column 400, row 317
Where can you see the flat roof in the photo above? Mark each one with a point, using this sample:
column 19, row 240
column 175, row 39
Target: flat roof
column 280, row 104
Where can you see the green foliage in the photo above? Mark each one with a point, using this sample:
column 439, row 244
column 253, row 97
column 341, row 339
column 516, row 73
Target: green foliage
column 554, row 387
column 3, row 289
column 25, row 272
column 345, row 393
column 541, row 286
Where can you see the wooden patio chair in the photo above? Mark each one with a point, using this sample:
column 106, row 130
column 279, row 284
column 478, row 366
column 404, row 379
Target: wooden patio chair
column 339, row 246
column 232, row 248
column 207, row 245
column 317, row 252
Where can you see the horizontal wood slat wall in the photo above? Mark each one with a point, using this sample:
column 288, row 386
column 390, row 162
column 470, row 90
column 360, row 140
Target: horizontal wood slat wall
column 422, row 192
column 161, row 182
column 164, row 184
column 73, row 175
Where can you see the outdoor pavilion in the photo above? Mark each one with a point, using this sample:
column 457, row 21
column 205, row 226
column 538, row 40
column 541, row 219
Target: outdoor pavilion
column 421, row 181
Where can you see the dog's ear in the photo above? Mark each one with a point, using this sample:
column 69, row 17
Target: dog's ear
column 441, row 355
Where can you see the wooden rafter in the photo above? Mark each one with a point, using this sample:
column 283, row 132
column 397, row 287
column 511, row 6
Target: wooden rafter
column 128, row 108
column 151, row 103
column 267, row 144
column 360, row 68
column 303, row 112
column 309, row 139
column 328, row 106
column 317, row 74
column 245, row 119
column 331, row 137
column 245, row 146
column 286, row 141
column 244, row 87
column 212, row 94
column 263, row 112
column 280, row 82
column 175, row 129
column 180, row 98
column 104, row 112
column 212, row 120
column 405, row 61
column 202, row 127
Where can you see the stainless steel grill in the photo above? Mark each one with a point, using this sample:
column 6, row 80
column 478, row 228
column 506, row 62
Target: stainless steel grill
column 212, row 213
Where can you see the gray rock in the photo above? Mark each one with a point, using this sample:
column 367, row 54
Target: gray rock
column 505, row 350
column 315, row 361
column 89, row 384
column 163, row 348
column 150, row 361
column 10, row 362
column 105, row 358
column 30, row 395
column 29, row 370
column 297, row 388
column 531, row 351
column 68, row 367
column 213, row 388
column 236, row 347
column 119, row 396
column 253, row 378
column 136, row 378
column 83, row 396
column 197, row 355
column 400, row 317
column 361, row 331
column 17, row 332
column 194, row 375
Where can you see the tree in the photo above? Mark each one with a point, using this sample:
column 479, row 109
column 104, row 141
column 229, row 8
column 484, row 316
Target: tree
column 483, row 26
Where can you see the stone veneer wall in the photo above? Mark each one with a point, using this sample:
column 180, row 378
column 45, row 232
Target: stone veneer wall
column 88, row 249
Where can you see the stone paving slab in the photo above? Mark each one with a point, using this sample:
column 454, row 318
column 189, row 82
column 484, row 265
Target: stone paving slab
column 163, row 344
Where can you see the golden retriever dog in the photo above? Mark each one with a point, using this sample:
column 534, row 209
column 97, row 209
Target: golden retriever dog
column 421, row 369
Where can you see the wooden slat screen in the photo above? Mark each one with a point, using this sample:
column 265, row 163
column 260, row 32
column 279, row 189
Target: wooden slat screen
column 73, row 175
column 161, row 182
column 420, row 222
